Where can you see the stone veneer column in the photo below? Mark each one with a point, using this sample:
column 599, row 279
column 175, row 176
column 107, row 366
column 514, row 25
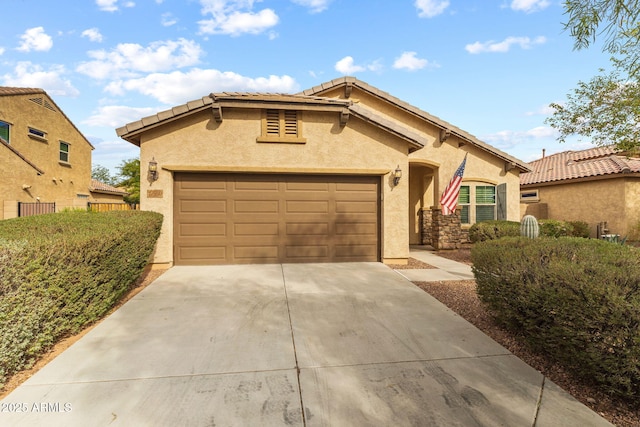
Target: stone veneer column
column 446, row 229
column 425, row 226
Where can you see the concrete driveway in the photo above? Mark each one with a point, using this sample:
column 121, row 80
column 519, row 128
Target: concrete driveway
column 288, row 345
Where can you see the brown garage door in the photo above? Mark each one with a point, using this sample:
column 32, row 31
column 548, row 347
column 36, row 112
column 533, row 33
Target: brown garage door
column 238, row 218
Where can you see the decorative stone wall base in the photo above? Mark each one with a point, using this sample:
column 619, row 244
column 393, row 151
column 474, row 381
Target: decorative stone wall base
column 446, row 230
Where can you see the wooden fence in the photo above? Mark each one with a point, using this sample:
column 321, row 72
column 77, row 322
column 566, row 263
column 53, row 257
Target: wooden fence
column 36, row 208
column 105, row 207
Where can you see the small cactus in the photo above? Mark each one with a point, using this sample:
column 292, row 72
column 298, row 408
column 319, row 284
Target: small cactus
column 529, row 227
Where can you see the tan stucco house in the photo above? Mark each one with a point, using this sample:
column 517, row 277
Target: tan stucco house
column 598, row 185
column 339, row 172
column 44, row 159
column 99, row 192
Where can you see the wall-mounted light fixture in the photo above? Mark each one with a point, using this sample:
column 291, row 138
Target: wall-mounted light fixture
column 397, row 174
column 153, row 170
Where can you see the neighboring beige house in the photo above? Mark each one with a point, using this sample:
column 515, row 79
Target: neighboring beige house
column 598, row 185
column 44, row 159
column 312, row 177
column 105, row 193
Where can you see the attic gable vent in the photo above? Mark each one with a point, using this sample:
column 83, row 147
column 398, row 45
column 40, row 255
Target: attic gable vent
column 49, row 106
column 281, row 126
column 43, row 103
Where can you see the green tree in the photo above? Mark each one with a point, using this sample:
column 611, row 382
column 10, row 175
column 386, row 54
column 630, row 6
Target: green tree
column 129, row 178
column 102, row 174
column 606, row 108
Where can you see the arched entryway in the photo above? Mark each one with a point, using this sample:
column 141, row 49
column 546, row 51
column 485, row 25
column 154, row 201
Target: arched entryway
column 423, row 183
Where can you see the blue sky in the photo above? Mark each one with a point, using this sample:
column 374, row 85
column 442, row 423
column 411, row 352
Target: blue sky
column 490, row 67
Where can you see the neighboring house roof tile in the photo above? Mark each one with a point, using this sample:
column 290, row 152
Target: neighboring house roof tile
column 17, row 153
column 101, row 187
column 568, row 165
column 5, row 91
column 442, row 124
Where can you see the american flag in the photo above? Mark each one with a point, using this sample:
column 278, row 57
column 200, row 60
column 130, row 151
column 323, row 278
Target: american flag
column 449, row 198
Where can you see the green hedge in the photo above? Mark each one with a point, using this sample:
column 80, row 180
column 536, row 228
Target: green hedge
column 61, row 272
column 491, row 230
column 575, row 299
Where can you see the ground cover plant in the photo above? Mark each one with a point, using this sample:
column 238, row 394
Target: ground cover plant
column 576, row 300
column 61, row 272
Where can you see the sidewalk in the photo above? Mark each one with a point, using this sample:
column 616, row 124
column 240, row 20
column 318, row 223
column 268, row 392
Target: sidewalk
column 446, row 269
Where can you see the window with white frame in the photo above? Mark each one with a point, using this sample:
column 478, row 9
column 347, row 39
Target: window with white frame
column 529, row 196
column 64, row 152
column 477, row 203
column 37, row 134
column 4, row 130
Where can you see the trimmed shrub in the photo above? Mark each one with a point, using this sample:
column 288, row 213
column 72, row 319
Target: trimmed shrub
column 555, row 228
column 61, row 272
column 580, row 229
column 491, row 230
column 577, row 300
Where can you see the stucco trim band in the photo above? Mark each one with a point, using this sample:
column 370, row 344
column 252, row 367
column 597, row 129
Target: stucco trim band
column 298, row 171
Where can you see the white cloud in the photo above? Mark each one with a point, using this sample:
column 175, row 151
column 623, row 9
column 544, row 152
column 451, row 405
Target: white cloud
column 509, row 138
column 112, row 5
column 107, row 5
column 27, row 74
column 316, row 6
column 431, row 8
column 544, row 110
column 529, row 6
column 35, row 39
column 168, row 19
column 409, row 61
column 347, row 66
column 1, row 50
column 505, row 45
column 93, row 34
column 179, row 87
column 235, row 17
column 130, row 59
column 114, row 116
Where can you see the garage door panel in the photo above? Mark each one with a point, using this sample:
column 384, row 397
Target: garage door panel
column 203, row 254
column 275, row 218
column 357, row 228
column 356, row 207
column 307, row 206
column 256, row 229
column 256, row 253
column 199, row 205
column 251, row 185
column 256, row 206
column 307, row 186
column 307, row 229
column 202, row 229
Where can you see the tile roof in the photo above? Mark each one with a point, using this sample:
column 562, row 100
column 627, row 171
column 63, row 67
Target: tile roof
column 101, row 187
column 593, row 162
column 438, row 122
column 5, row 90
column 225, row 98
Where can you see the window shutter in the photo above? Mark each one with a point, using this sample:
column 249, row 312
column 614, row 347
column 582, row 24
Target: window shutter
column 290, row 123
column 273, row 123
column 502, row 201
